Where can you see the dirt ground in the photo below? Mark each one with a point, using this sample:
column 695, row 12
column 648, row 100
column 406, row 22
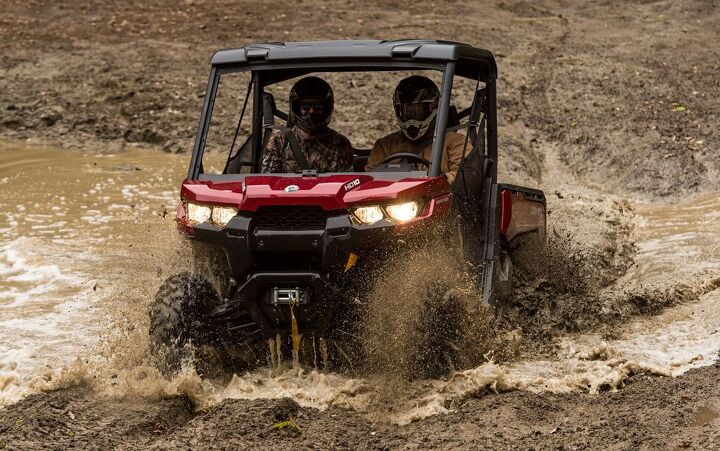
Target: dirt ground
column 650, row 413
column 617, row 97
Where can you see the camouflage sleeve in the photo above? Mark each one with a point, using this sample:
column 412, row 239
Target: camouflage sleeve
column 273, row 155
column 344, row 162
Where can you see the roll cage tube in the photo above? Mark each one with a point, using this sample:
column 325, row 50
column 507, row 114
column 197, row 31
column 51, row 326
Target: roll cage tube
column 492, row 136
column 257, row 135
column 205, row 114
column 441, row 123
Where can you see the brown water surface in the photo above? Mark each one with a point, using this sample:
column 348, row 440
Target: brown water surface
column 68, row 221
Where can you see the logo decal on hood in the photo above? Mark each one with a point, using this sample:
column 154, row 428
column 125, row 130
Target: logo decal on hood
column 351, row 185
column 291, row 188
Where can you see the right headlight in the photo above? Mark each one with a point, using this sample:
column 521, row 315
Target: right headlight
column 402, row 212
column 218, row 216
column 198, row 213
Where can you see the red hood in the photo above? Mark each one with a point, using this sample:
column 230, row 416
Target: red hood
column 332, row 192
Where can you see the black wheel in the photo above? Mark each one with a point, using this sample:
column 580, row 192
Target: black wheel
column 503, row 278
column 179, row 330
column 440, row 333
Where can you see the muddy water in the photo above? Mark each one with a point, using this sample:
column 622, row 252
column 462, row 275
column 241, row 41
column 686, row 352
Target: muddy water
column 85, row 244
column 67, row 224
column 677, row 245
column 679, row 240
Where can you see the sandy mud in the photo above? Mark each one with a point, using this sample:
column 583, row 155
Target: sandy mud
column 608, row 107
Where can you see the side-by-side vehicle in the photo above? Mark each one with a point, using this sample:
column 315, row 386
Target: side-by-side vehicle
column 284, row 255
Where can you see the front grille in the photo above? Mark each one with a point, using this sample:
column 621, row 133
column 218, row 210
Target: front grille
column 295, row 217
column 287, row 261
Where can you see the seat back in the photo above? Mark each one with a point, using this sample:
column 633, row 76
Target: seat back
column 243, row 157
column 453, row 117
column 360, row 159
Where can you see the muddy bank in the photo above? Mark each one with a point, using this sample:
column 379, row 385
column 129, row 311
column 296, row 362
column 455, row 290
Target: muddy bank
column 649, row 412
column 626, row 92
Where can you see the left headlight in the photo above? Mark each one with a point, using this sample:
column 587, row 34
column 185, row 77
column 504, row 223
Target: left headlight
column 218, row 216
column 395, row 212
column 402, row 212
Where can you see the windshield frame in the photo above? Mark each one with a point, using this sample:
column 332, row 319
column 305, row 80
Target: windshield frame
column 268, row 74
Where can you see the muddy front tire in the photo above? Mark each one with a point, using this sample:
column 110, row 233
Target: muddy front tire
column 441, row 334
column 179, row 330
column 503, row 279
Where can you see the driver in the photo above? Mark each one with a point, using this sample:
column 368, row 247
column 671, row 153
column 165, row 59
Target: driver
column 416, row 102
column 311, row 108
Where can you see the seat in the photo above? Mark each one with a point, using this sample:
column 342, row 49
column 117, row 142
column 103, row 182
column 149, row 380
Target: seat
column 243, row 157
column 360, row 159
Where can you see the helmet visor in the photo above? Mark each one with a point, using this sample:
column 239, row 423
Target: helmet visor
column 307, row 107
column 418, row 111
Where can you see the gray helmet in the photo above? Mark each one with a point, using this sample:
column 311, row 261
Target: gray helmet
column 415, row 102
column 318, row 90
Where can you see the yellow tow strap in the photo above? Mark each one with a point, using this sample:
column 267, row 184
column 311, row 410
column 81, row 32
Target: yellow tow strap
column 352, row 259
column 295, row 332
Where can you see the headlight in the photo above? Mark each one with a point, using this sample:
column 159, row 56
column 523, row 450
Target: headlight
column 402, row 212
column 198, row 213
column 219, row 216
column 368, row 215
column 222, row 215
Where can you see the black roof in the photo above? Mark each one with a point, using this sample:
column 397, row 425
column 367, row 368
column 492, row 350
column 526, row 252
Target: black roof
column 471, row 62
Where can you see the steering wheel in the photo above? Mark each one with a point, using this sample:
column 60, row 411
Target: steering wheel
column 410, row 157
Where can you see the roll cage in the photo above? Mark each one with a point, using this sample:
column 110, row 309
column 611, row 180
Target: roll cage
column 484, row 207
column 276, row 62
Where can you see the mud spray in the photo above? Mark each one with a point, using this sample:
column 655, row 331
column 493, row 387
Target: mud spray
column 83, row 253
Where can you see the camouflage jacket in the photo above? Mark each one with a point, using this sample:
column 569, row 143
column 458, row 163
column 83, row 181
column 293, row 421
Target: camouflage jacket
column 328, row 151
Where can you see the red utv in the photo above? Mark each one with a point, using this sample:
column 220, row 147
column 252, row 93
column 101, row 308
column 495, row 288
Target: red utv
column 281, row 256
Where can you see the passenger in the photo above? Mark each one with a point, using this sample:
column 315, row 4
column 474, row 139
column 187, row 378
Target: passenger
column 416, row 102
column 311, row 109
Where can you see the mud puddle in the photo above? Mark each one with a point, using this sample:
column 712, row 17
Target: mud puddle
column 68, row 222
column 667, row 345
column 88, row 238
column 675, row 247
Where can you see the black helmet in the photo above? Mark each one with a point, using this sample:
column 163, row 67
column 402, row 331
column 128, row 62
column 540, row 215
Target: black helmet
column 319, row 91
column 415, row 102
